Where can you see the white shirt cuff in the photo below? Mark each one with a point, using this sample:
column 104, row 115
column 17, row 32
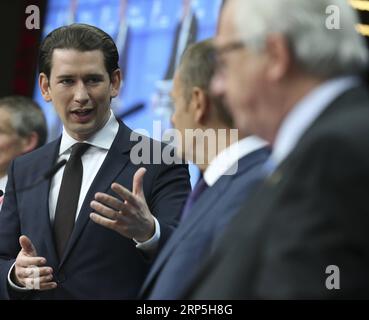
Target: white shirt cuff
column 12, row 284
column 153, row 242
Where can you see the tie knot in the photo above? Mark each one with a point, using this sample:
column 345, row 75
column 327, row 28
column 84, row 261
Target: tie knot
column 194, row 195
column 79, row 149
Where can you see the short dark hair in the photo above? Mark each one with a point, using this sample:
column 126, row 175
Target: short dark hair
column 26, row 117
column 196, row 69
column 81, row 37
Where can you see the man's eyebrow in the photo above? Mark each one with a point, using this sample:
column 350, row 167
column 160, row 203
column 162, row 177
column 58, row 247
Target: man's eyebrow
column 97, row 75
column 85, row 76
column 65, row 76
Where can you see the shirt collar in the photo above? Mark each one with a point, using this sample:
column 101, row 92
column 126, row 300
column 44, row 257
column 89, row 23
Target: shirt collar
column 102, row 139
column 3, row 182
column 229, row 156
column 305, row 113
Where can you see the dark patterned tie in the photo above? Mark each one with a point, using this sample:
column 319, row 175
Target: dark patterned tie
column 199, row 188
column 66, row 207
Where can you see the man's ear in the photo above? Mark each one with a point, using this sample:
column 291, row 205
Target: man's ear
column 116, row 79
column 30, row 142
column 200, row 105
column 279, row 57
column 43, row 83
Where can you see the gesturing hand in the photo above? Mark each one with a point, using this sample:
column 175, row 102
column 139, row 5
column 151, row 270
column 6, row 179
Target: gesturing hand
column 30, row 270
column 129, row 215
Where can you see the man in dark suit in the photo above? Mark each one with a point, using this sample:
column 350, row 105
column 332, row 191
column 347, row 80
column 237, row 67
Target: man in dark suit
column 294, row 81
column 61, row 253
column 22, row 129
column 229, row 168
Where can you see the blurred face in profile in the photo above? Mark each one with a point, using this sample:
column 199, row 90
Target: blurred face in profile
column 11, row 144
column 80, row 89
column 239, row 77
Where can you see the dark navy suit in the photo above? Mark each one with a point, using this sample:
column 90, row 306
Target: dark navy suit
column 311, row 213
column 98, row 263
column 196, row 236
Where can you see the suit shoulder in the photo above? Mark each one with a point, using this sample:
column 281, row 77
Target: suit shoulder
column 343, row 123
column 348, row 113
column 37, row 154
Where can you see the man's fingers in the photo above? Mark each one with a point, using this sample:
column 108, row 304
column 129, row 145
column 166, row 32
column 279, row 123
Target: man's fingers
column 41, row 272
column 46, row 279
column 46, row 271
column 104, row 210
column 25, row 261
column 25, row 273
column 108, row 200
column 138, row 182
column 34, row 272
column 48, row 286
column 39, row 284
column 125, row 194
column 105, row 222
column 27, row 246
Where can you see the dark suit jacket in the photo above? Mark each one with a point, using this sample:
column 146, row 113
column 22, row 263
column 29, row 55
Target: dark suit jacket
column 312, row 212
column 179, row 261
column 98, row 263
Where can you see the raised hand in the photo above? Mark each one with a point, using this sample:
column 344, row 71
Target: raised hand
column 129, row 215
column 30, row 271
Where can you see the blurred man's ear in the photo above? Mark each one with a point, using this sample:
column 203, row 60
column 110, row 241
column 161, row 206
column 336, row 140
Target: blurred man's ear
column 200, row 105
column 116, row 79
column 30, row 142
column 43, row 83
column 279, row 57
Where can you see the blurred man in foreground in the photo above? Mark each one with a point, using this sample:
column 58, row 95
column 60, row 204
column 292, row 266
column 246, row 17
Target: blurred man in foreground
column 293, row 79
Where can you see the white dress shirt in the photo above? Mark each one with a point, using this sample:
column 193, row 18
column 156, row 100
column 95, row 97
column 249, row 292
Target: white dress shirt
column 3, row 182
column 92, row 160
column 224, row 162
column 301, row 117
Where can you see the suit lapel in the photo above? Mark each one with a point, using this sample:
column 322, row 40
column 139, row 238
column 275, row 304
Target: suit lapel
column 200, row 210
column 114, row 163
column 42, row 193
